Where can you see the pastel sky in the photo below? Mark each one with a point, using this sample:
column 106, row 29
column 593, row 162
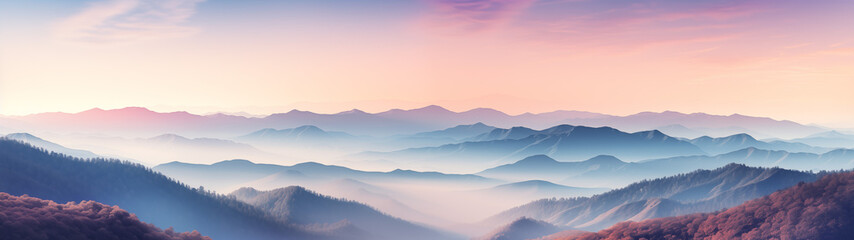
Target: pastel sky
column 779, row 58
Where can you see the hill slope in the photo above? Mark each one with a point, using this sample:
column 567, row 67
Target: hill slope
column 818, row 210
column 155, row 198
column 521, row 229
column 298, row 205
column 32, row 218
column 698, row 191
column 50, row 146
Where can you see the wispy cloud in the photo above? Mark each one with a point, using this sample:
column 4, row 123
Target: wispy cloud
column 472, row 16
column 121, row 21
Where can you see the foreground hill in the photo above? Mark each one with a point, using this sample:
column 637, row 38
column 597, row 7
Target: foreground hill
column 32, row 218
column 155, row 198
column 698, row 191
column 818, row 210
column 298, row 205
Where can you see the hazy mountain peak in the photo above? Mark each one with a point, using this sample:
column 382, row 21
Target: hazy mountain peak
column 169, row 137
column 22, row 136
column 432, row 109
column 532, row 183
column 831, row 134
column 560, row 129
column 521, row 228
column 124, row 111
column 740, row 137
column 398, row 170
column 483, row 109
column 308, row 128
column 653, row 134
column 309, row 164
column 297, row 111
column 93, row 110
column 672, row 113
column 353, row 112
column 536, row 160
column 235, row 162
column 605, row 159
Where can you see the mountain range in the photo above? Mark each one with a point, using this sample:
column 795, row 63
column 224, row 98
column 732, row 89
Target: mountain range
column 539, row 189
column 223, row 176
column 609, row 171
column 830, row 139
column 817, row 210
column 698, row 191
column 171, row 147
column 562, row 141
column 141, row 122
column 521, row 229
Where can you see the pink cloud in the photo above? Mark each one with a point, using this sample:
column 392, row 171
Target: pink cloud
column 120, row 21
column 472, row 16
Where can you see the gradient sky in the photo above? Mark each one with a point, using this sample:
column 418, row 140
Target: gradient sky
column 778, row 58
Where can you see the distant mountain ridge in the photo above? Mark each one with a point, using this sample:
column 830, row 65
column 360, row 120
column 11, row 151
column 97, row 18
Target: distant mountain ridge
column 306, row 132
column 540, row 189
column 742, row 140
column 136, row 122
column 172, row 147
column 217, row 175
column 521, row 229
column 708, row 124
column 547, row 168
column 562, row 141
column 830, row 139
column 609, row 171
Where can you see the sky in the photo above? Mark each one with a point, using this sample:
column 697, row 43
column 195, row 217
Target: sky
column 777, row 58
